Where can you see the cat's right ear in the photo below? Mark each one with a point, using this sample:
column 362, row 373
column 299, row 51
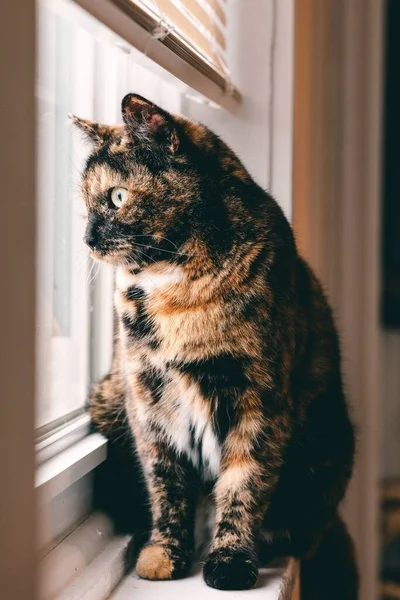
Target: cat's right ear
column 96, row 133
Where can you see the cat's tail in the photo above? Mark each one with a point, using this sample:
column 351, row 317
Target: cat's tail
column 331, row 573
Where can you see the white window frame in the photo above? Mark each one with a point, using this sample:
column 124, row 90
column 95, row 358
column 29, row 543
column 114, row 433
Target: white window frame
column 63, row 269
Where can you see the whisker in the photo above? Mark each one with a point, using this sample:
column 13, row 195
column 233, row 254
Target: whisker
column 92, row 273
column 95, row 274
column 160, row 249
column 163, row 238
column 147, row 256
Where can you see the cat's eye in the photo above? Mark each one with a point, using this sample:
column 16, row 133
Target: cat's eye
column 119, row 196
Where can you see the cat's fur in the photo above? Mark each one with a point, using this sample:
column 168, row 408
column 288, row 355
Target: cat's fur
column 227, row 359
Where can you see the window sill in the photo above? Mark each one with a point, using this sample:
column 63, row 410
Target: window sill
column 74, row 556
column 274, row 583
column 60, row 472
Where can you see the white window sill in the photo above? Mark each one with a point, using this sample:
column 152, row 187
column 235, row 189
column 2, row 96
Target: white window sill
column 60, row 472
column 74, row 555
column 61, row 437
column 275, row 583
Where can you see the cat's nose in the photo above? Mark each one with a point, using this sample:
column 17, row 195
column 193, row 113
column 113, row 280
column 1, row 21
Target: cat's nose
column 91, row 239
column 92, row 234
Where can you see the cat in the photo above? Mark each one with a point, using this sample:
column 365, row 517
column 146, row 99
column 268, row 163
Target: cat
column 226, row 360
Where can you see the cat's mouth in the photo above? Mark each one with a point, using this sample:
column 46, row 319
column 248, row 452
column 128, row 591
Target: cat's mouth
column 113, row 256
column 131, row 255
column 118, row 257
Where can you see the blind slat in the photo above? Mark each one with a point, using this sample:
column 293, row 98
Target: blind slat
column 206, row 20
column 217, row 8
column 177, row 18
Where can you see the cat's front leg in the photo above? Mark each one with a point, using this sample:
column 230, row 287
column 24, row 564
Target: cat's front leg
column 168, row 553
column 252, row 457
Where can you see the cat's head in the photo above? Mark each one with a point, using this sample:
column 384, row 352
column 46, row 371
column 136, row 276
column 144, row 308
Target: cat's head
column 152, row 186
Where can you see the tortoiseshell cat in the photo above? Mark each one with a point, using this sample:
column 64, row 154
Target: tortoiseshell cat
column 226, row 358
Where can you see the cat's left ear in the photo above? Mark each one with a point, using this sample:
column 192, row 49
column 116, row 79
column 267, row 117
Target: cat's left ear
column 145, row 120
column 97, row 133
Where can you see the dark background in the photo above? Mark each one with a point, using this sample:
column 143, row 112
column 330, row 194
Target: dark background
column 391, row 172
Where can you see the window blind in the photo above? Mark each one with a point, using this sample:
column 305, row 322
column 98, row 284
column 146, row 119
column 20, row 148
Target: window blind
column 186, row 37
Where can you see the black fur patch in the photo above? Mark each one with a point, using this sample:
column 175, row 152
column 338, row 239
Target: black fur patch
column 140, row 328
column 103, row 156
column 134, row 292
column 221, row 379
column 153, row 380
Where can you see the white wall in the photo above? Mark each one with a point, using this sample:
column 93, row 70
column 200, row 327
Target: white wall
column 261, row 40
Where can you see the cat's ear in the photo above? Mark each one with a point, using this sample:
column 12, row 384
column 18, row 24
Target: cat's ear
column 97, row 133
column 146, row 121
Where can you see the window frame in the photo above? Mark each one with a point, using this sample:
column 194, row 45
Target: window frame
column 63, row 346
column 53, row 438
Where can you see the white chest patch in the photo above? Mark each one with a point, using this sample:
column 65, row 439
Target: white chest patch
column 193, row 436
column 148, row 279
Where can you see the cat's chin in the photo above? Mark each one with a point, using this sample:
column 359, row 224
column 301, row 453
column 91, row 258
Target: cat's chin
column 116, row 259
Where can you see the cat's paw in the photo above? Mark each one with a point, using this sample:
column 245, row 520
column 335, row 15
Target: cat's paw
column 226, row 569
column 157, row 561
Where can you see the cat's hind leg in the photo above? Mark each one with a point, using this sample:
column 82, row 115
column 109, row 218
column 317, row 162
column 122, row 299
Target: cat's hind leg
column 328, row 569
column 331, row 572
column 273, row 544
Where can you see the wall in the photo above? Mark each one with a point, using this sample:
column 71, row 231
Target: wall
column 337, row 191
column 261, row 62
column 17, row 302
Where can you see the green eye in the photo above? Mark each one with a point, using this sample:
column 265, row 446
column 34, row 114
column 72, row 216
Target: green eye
column 119, row 195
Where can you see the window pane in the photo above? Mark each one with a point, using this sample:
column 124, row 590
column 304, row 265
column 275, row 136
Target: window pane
column 63, row 269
